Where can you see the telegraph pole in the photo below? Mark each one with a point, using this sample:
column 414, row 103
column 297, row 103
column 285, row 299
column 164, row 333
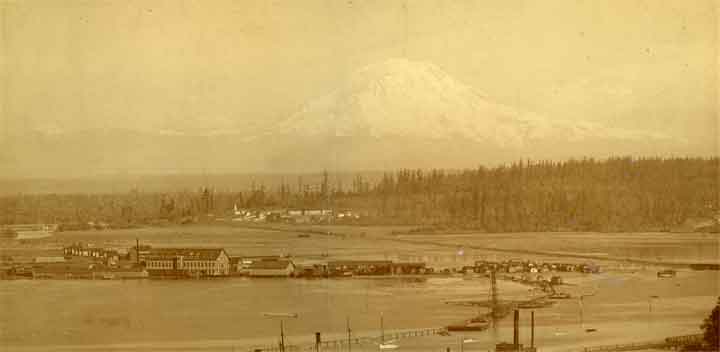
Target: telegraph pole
column 495, row 312
column 582, row 322
column 349, row 334
column 282, row 337
column 382, row 329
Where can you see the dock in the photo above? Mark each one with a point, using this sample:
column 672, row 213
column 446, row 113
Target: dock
column 336, row 344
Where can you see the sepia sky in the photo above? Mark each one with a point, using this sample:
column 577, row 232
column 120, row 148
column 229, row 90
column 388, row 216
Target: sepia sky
column 195, row 65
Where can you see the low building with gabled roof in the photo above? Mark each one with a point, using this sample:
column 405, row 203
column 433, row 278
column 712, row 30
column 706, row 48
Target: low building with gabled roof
column 271, row 268
column 190, row 261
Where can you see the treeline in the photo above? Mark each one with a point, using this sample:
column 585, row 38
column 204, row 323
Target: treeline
column 619, row 194
column 616, row 194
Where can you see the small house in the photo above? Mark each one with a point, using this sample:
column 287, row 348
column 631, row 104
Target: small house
column 271, row 268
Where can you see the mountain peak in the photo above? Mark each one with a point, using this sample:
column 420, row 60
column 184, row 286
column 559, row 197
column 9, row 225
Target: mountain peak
column 404, row 98
column 399, row 97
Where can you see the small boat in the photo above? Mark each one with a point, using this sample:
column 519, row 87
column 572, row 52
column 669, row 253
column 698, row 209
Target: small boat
column 667, row 273
column 469, row 326
column 560, row 295
column 388, row 346
column 385, row 345
column 479, row 320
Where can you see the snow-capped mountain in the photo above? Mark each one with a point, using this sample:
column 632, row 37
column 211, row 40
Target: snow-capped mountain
column 401, row 98
column 397, row 113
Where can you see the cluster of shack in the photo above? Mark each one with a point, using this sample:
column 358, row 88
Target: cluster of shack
column 525, row 266
column 296, row 216
column 83, row 261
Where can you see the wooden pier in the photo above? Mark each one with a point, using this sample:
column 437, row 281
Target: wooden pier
column 341, row 344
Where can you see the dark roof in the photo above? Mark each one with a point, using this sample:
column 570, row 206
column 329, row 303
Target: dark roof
column 186, row 253
column 270, row 264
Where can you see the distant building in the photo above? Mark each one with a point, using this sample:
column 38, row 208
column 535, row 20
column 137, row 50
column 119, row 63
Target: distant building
column 311, row 270
column 107, row 256
column 189, row 261
column 360, row 267
column 137, row 254
column 271, row 268
column 590, row 268
column 235, row 265
column 410, row 268
column 244, row 262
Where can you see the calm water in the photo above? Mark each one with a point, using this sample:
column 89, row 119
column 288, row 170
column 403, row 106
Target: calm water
column 223, row 314
column 219, row 315
column 98, row 312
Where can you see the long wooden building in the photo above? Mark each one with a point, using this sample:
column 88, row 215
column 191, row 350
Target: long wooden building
column 187, row 261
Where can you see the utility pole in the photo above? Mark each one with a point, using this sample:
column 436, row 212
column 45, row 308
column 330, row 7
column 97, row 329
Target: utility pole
column 532, row 329
column 382, row 329
column 282, row 337
column 582, row 321
column 495, row 309
column 349, row 334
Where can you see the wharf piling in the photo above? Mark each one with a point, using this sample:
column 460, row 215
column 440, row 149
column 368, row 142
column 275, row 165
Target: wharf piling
column 342, row 343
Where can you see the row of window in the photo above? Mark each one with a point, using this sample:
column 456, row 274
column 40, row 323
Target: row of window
column 159, row 264
column 165, row 264
column 199, row 265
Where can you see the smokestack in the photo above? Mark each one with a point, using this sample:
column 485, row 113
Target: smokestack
column 516, row 326
column 532, row 329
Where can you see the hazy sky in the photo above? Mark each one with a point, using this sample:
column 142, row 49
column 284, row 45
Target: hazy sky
column 184, row 65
